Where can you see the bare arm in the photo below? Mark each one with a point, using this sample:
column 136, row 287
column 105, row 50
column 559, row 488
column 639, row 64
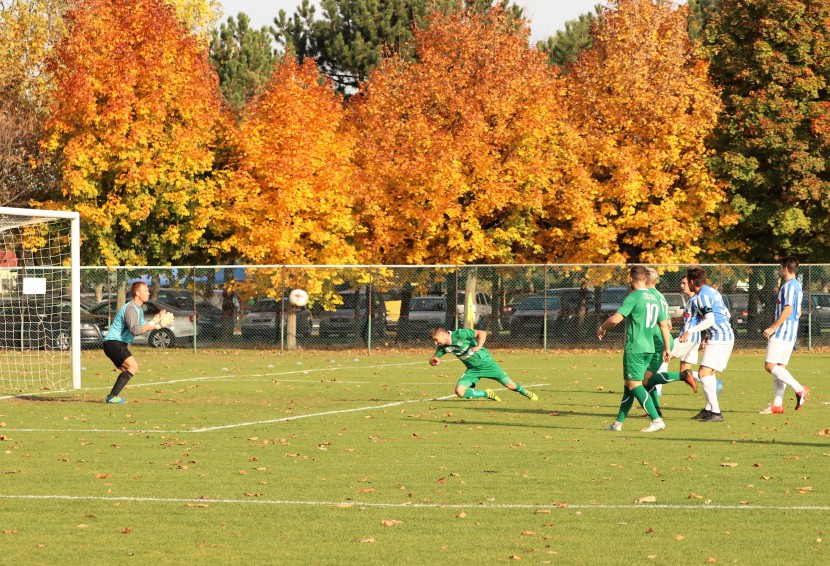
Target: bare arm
column 610, row 323
column 481, row 336
column 785, row 314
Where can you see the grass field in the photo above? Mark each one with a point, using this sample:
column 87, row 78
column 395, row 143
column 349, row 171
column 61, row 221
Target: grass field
column 342, row 458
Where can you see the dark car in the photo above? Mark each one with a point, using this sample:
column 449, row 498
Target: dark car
column 815, row 313
column 261, row 321
column 35, row 325
column 209, row 316
column 351, row 316
column 528, row 320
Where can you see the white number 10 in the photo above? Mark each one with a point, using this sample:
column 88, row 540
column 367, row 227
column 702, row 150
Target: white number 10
column 651, row 315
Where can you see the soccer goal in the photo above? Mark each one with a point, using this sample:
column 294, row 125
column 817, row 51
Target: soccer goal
column 40, row 308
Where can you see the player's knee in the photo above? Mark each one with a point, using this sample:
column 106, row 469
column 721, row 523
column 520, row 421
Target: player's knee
column 511, row 385
column 130, row 366
column 460, row 391
column 769, row 367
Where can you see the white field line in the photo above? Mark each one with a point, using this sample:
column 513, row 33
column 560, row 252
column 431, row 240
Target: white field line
column 251, row 423
column 475, row 505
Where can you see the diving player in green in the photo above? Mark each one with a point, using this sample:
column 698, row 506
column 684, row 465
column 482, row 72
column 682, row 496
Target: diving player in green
column 642, row 314
column 468, row 345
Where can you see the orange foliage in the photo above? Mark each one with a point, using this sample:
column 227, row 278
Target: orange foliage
column 292, row 197
column 646, row 105
column 467, row 154
column 136, row 115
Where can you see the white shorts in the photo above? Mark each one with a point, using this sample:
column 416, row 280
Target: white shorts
column 716, row 354
column 686, row 351
column 779, row 351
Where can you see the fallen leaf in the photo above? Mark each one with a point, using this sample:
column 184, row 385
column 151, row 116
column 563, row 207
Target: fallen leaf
column 441, row 480
column 649, row 530
column 390, row 522
column 824, row 432
column 804, row 489
column 198, row 505
column 367, row 490
column 528, row 533
column 646, row 499
column 540, row 511
column 126, row 531
column 8, row 532
column 712, row 559
column 369, row 540
column 101, row 476
column 728, row 465
column 515, row 557
column 678, row 537
column 82, row 526
column 694, row 495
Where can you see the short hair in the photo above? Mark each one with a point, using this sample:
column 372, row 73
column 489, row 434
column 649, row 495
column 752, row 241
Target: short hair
column 136, row 286
column 638, row 273
column 696, row 275
column 436, row 331
column 790, row 263
column 652, row 275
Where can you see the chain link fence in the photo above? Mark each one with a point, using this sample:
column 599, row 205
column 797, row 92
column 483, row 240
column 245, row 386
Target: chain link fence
column 540, row 307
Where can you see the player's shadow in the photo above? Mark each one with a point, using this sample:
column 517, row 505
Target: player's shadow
column 43, row 398
column 543, row 412
column 743, row 441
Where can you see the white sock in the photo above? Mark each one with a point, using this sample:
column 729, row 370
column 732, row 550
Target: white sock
column 664, row 367
column 695, row 376
column 781, row 373
column 710, row 390
column 779, row 386
column 659, row 388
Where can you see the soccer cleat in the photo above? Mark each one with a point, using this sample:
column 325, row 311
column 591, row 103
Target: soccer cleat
column 531, row 395
column 772, row 410
column 702, row 414
column 615, row 426
column 712, row 418
column 801, row 398
column 115, row 400
column 492, row 396
column 654, row 426
column 686, row 375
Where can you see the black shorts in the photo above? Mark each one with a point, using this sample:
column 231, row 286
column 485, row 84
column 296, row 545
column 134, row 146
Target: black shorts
column 117, row 351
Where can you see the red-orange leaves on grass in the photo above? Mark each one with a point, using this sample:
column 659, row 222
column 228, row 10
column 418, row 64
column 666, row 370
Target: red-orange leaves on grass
column 646, row 105
column 136, row 116
column 466, row 153
column 293, row 194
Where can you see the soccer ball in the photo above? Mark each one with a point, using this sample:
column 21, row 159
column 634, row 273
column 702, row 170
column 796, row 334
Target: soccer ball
column 298, row 298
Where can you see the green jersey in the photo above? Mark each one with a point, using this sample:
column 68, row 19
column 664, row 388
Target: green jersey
column 642, row 312
column 664, row 313
column 462, row 341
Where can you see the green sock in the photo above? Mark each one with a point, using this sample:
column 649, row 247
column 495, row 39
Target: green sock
column 643, row 397
column 625, row 405
column 665, row 377
column 652, row 393
column 519, row 388
column 471, row 393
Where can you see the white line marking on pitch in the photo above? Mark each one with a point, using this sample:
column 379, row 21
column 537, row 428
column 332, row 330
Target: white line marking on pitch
column 252, row 423
column 477, row 505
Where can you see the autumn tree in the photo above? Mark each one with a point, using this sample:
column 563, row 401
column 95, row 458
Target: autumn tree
column 136, row 118
column 243, row 58
column 199, row 16
column 28, row 31
column 352, row 35
column 646, row 106
column 772, row 145
column 565, row 46
column 700, row 13
column 293, row 194
column 466, row 153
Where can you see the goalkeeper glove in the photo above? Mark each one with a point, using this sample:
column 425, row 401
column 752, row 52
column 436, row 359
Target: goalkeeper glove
column 166, row 319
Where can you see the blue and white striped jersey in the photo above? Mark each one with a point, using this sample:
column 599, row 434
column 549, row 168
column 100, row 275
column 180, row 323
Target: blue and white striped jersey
column 708, row 300
column 690, row 319
column 789, row 295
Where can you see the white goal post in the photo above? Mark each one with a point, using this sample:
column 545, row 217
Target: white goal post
column 40, row 300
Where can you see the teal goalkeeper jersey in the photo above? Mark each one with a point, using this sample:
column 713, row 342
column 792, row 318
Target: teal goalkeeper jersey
column 463, row 340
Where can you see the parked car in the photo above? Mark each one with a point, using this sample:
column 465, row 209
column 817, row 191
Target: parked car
column 351, row 316
column 35, row 325
column 677, row 303
column 815, row 313
column 261, row 321
column 483, row 308
column 512, row 304
column 528, row 322
column 208, row 314
column 425, row 313
column 184, row 324
column 738, row 305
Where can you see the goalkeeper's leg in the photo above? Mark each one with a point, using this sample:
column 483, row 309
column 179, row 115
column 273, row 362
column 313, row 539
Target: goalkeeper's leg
column 128, row 369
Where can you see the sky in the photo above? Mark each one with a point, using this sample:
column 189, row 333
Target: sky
column 546, row 16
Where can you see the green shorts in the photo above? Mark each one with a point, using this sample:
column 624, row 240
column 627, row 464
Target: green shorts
column 635, row 365
column 492, row 371
column 657, row 360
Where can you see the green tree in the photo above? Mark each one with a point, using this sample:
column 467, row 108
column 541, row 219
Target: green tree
column 243, row 58
column 700, row 12
column 564, row 48
column 771, row 59
column 353, row 35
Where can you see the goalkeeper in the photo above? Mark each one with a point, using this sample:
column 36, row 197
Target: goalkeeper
column 468, row 345
column 127, row 324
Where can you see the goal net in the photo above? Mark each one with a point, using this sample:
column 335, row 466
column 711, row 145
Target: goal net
column 40, row 317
